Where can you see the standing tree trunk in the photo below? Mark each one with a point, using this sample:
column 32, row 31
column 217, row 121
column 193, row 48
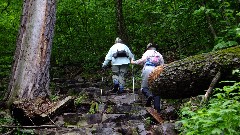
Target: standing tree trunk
column 209, row 22
column 121, row 29
column 30, row 70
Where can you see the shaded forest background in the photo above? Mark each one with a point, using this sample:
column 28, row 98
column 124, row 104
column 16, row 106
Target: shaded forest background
column 86, row 29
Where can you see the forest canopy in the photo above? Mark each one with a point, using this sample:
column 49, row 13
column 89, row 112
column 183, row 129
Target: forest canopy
column 88, row 28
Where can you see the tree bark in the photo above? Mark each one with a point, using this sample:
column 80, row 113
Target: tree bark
column 121, row 29
column 30, row 69
column 193, row 75
column 40, row 110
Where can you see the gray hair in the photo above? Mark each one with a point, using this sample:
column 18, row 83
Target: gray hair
column 118, row 40
column 151, row 46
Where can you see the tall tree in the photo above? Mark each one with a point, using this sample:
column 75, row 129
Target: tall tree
column 30, row 69
column 209, row 22
column 121, row 29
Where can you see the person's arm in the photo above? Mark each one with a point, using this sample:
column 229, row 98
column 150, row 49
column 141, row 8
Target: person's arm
column 161, row 60
column 140, row 61
column 107, row 58
column 130, row 54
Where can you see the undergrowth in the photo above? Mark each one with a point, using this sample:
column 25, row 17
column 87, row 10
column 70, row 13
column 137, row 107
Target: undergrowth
column 221, row 116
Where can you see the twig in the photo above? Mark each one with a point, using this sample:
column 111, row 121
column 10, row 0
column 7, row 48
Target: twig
column 52, row 121
column 31, row 120
column 210, row 89
column 8, row 133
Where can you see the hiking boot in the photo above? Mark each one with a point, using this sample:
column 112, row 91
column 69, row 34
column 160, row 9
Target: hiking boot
column 115, row 87
column 149, row 101
column 121, row 90
column 113, row 91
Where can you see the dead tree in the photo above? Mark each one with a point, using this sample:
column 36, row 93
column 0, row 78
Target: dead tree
column 192, row 76
column 28, row 91
column 30, row 69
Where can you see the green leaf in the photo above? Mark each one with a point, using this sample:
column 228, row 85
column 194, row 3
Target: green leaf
column 216, row 131
column 238, row 14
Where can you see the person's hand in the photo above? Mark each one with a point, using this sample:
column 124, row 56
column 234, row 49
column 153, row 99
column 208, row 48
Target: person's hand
column 132, row 61
column 104, row 67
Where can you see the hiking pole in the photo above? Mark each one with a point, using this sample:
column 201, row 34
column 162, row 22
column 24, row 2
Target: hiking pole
column 102, row 83
column 133, row 80
column 102, row 86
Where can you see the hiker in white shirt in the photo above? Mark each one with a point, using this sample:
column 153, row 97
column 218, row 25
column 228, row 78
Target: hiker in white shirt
column 119, row 55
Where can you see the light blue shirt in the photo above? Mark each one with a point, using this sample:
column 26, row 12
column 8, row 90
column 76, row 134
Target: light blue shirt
column 119, row 60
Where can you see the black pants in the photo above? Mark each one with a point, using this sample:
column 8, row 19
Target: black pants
column 156, row 103
column 156, row 99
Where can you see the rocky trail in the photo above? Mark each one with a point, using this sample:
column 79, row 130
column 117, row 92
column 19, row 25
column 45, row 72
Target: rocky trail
column 97, row 111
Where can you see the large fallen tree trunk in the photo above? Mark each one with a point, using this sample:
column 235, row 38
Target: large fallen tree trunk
column 192, row 76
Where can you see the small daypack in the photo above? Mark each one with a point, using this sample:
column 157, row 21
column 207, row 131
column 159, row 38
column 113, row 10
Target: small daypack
column 121, row 53
column 155, row 59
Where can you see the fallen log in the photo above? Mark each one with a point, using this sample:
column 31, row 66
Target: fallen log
column 39, row 111
column 30, row 127
column 155, row 114
column 193, row 75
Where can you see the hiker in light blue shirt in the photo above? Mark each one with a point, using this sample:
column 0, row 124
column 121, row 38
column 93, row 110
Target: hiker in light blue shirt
column 119, row 55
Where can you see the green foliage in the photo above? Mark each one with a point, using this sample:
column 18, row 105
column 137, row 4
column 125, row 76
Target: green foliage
column 80, row 99
column 19, row 131
column 85, row 30
column 94, row 107
column 236, row 72
column 222, row 44
column 148, row 122
column 109, row 109
column 9, row 24
column 54, row 97
column 220, row 116
column 5, row 119
column 90, row 32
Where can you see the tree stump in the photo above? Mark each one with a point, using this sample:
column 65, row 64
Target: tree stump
column 40, row 110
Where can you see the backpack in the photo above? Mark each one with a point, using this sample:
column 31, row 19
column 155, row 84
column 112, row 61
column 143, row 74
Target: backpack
column 155, row 59
column 121, row 53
